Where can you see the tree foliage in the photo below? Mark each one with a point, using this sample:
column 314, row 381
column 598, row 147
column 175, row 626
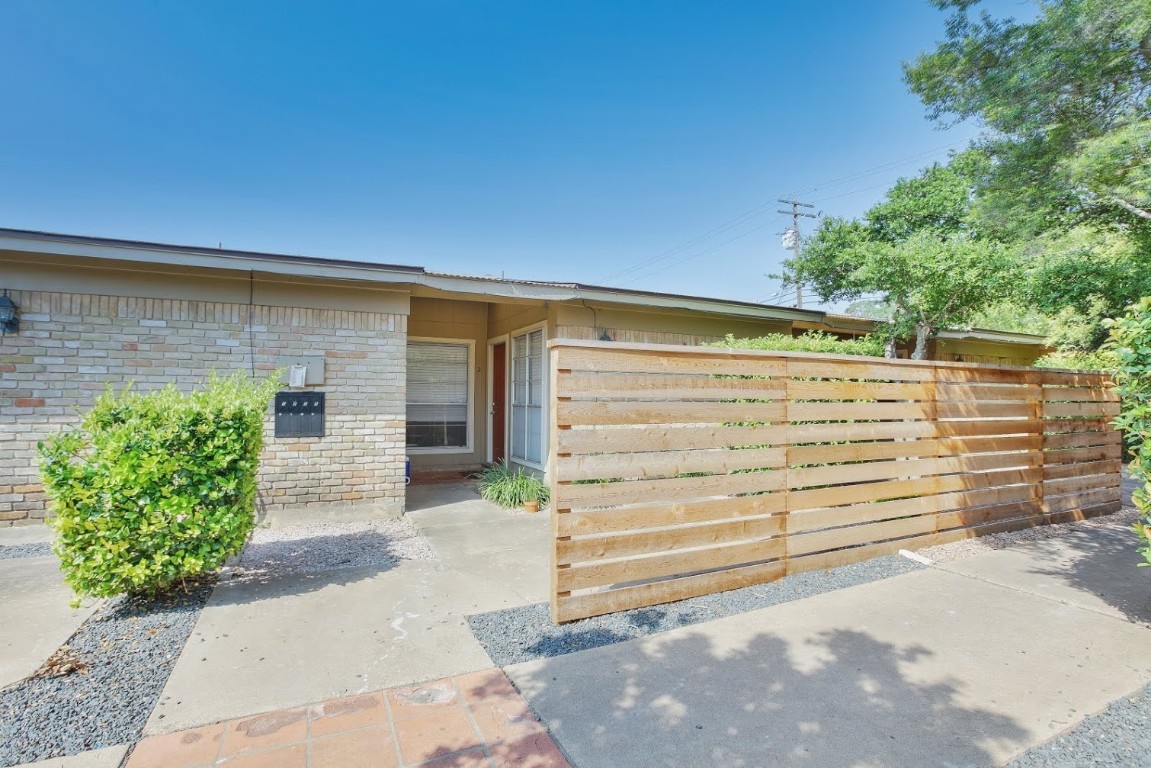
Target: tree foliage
column 914, row 252
column 1065, row 99
column 1131, row 345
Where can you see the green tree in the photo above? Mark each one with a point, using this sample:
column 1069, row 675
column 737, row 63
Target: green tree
column 1065, row 99
column 914, row 252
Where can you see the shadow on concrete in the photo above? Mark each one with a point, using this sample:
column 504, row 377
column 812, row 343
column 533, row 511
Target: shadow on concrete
column 1102, row 562
column 274, row 569
column 842, row 698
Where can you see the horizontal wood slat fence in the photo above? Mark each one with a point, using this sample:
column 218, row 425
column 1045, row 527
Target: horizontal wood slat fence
column 681, row 471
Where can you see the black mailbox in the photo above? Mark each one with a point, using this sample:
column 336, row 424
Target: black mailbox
column 299, row 414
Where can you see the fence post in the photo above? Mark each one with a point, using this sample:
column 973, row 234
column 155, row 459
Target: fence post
column 786, row 424
column 553, row 474
column 1035, row 396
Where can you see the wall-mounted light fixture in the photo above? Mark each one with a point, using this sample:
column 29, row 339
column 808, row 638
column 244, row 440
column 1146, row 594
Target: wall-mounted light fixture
column 605, row 336
column 9, row 316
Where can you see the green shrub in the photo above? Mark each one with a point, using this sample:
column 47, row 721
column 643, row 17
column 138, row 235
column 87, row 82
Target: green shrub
column 811, row 341
column 155, row 488
column 1131, row 344
column 502, row 485
column 1076, row 360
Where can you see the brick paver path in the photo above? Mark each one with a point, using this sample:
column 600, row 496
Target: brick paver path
column 477, row 720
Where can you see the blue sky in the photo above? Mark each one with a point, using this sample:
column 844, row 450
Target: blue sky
column 547, row 140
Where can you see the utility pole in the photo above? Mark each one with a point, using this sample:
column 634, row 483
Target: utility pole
column 791, row 238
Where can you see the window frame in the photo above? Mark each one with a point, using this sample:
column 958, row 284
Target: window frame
column 544, row 394
column 471, row 407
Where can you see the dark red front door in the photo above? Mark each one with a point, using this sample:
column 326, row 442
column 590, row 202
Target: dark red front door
column 499, row 401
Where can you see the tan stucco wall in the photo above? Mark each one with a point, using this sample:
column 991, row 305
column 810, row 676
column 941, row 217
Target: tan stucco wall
column 70, row 274
column 468, row 320
column 506, row 318
column 577, row 321
column 995, row 352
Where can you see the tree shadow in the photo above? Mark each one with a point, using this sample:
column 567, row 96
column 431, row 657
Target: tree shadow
column 840, row 698
column 1100, row 561
column 272, row 569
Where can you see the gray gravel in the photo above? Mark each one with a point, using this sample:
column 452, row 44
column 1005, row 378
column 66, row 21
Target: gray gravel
column 521, row 634
column 16, row 551
column 1118, row 736
column 322, row 546
column 129, row 647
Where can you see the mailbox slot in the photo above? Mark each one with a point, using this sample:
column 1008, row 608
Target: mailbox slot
column 299, row 414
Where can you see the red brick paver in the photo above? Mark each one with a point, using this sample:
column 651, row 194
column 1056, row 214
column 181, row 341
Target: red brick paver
column 472, row 721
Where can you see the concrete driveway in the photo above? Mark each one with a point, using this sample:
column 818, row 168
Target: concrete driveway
column 967, row 664
column 308, row 637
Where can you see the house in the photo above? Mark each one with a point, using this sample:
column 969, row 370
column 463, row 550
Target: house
column 447, row 370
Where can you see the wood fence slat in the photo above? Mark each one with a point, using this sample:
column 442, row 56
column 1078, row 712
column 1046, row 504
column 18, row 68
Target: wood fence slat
column 1059, row 426
column 666, row 463
column 1066, row 485
column 1103, row 467
column 984, row 410
column 669, row 564
column 841, row 411
column 861, row 369
column 581, row 413
column 825, row 454
column 1081, row 439
column 965, row 393
column 1079, row 394
column 665, row 438
column 857, row 390
column 620, row 386
column 625, row 598
column 1078, row 455
column 1084, row 410
column 617, row 520
column 673, row 489
column 648, row 542
column 1082, row 500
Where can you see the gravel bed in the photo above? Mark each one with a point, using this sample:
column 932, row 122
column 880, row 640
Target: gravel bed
column 125, row 652
column 1119, row 735
column 18, row 551
column 521, row 634
column 960, row 550
column 324, row 546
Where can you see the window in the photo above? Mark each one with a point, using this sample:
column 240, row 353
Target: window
column 527, row 421
column 439, row 395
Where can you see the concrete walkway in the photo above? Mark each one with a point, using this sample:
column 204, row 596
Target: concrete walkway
column 960, row 665
column 262, row 646
column 35, row 618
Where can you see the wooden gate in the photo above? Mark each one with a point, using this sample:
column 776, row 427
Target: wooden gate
column 682, row 471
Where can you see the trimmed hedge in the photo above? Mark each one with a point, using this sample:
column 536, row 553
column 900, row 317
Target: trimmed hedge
column 155, row 488
column 1131, row 344
column 1097, row 360
column 811, row 341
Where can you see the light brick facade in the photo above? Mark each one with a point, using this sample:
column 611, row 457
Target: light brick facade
column 71, row 346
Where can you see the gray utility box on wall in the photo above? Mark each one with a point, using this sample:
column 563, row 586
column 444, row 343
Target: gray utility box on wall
column 299, row 414
column 314, row 365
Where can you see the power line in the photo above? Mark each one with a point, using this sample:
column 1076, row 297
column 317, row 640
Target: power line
column 880, row 168
column 696, row 255
column 758, row 210
column 727, row 226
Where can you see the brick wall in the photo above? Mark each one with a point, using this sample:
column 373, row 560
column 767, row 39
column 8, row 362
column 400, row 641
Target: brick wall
column 71, row 345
